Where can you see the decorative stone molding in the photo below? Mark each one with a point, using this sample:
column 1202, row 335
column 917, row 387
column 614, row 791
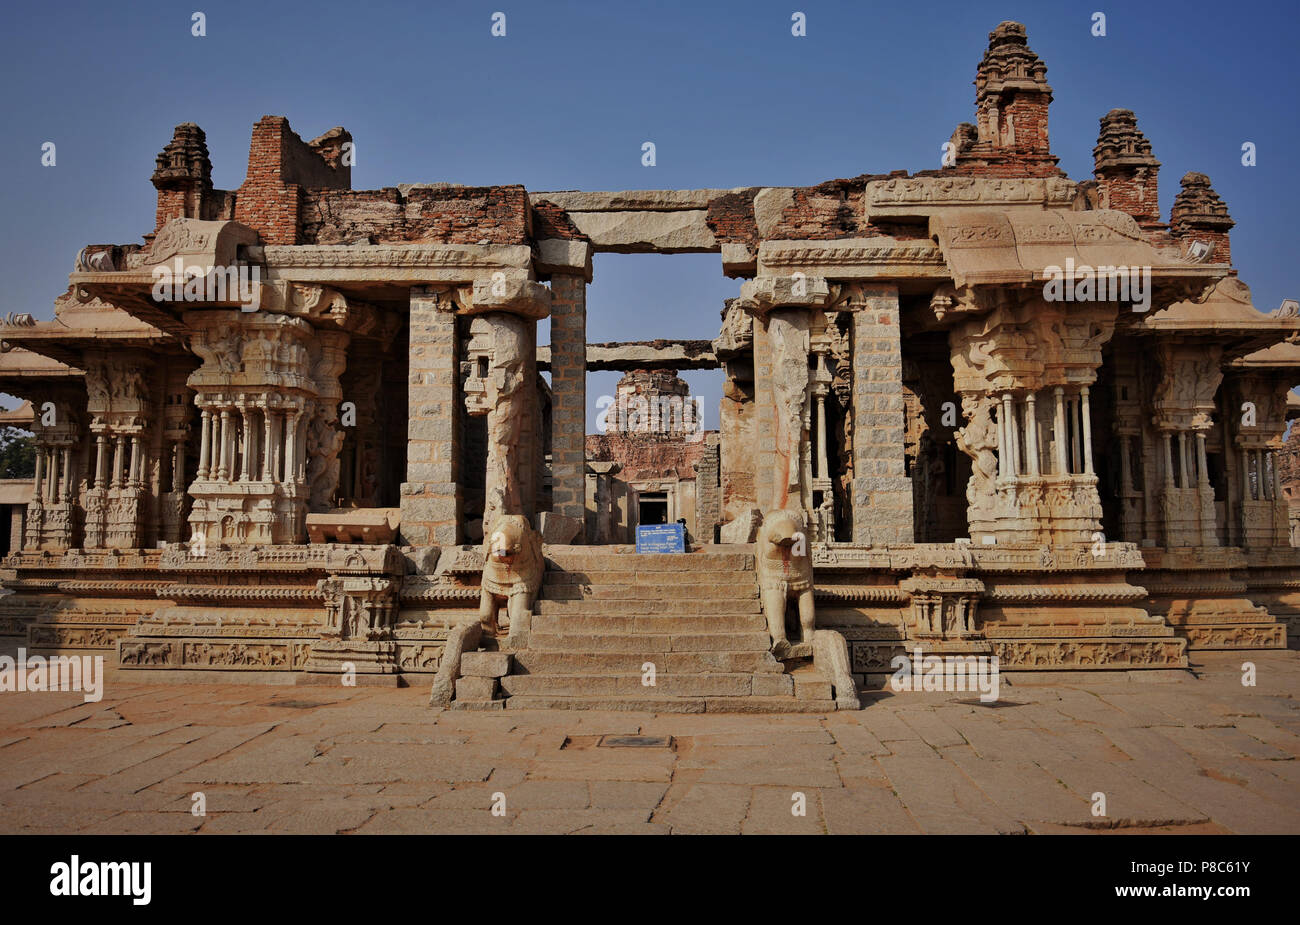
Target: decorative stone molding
column 903, row 196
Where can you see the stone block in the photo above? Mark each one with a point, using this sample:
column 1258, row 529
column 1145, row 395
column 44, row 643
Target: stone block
column 773, row 685
column 475, row 688
column 742, row 529
column 560, row 255
column 558, row 528
column 484, row 665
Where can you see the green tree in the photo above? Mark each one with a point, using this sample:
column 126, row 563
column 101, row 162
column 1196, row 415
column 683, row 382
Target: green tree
column 17, row 454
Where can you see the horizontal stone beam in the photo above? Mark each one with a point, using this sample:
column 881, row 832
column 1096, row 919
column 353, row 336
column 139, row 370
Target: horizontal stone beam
column 660, row 354
column 672, row 200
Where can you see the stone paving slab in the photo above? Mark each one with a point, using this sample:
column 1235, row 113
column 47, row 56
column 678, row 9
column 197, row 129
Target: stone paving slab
column 1196, row 754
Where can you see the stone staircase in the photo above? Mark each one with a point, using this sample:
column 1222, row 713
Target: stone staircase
column 604, row 612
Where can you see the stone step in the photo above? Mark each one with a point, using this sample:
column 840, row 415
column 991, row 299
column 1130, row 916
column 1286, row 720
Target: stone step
column 673, row 704
column 614, row 576
column 646, row 608
column 629, row 685
column 641, row 591
column 587, row 558
column 651, row 644
column 637, row 624
column 810, row 684
column 530, row 661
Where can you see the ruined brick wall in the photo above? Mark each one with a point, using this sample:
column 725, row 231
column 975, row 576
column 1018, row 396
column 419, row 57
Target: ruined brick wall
column 435, row 214
column 266, row 202
column 649, row 456
column 280, row 167
column 551, row 221
column 1135, row 193
column 1024, row 117
column 731, row 218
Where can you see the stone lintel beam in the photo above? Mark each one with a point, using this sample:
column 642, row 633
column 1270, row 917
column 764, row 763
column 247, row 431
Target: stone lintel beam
column 522, row 297
column 630, row 200
column 767, row 293
column 659, row 354
column 563, row 255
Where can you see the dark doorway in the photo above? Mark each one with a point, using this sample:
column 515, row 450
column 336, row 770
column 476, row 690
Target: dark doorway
column 652, row 508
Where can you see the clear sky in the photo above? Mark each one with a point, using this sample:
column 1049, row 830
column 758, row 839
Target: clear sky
column 565, row 99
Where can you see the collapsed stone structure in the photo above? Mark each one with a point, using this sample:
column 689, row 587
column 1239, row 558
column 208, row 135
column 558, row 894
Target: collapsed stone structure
column 291, row 471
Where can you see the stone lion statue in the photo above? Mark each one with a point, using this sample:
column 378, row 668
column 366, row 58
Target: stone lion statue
column 512, row 570
column 784, row 565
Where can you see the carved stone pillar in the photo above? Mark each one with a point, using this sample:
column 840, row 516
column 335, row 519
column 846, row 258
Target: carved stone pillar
column 1085, row 414
column 204, row 445
column 1062, row 467
column 100, row 441
column 568, row 394
column 1031, row 434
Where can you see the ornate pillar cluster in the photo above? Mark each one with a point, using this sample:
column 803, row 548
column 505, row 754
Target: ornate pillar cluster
column 121, row 456
column 1025, row 371
column 1182, row 415
column 1262, row 510
column 52, row 513
column 268, row 399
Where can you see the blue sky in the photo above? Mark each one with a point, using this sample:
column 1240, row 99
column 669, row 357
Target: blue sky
column 566, row 98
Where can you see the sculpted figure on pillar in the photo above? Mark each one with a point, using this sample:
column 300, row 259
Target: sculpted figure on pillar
column 785, row 304
column 498, row 346
column 979, row 440
column 788, row 331
column 497, row 371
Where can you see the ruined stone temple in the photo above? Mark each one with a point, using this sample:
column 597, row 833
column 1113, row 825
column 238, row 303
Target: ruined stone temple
column 308, row 429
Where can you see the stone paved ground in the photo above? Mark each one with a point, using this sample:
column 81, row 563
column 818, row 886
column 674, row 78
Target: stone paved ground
column 1201, row 754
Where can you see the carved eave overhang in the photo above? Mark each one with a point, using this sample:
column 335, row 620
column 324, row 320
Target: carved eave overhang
column 129, row 278
column 25, row 372
column 1281, row 357
column 1029, row 248
column 1226, row 317
column 278, row 278
column 80, row 327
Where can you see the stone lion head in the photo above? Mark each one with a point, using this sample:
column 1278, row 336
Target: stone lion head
column 506, row 539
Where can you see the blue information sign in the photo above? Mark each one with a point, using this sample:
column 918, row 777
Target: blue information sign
column 661, row 538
